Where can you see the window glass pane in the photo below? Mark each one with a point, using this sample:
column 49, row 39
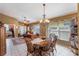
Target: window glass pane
column 64, row 26
column 36, row 29
column 53, row 28
column 7, row 27
column 22, row 30
column 61, row 29
column 64, row 35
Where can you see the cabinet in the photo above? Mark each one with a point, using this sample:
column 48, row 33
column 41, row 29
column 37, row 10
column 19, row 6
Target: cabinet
column 2, row 40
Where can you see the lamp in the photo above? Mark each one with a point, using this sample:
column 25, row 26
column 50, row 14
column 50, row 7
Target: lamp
column 44, row 20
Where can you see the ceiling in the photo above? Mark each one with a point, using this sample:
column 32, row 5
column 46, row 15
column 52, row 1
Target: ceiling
column 34, row 11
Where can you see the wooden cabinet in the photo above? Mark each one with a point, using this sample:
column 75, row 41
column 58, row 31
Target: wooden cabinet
column 2, row 41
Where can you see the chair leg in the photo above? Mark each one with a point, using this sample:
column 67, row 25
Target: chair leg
column 53, row 52
column 55, row 49
column 49, row 54
column 27, row 53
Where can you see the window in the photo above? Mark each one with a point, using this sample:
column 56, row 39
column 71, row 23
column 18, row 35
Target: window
column 22, row 30
column 36, row 29
column 64, row 30
column 52, row 28
column 7, row 27
column 61, row 29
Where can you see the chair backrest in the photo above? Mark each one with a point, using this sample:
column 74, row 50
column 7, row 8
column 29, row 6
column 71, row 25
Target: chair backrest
column 46, row 47
column 36, row 47
column 54, row 40
column 53, row 44
column 29, row 47
column 27, row 39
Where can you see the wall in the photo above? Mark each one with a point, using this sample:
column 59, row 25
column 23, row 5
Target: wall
column 43, row 27
column 10, row 20
column 56, row 19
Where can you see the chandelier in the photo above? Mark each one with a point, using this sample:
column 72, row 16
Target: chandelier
column 44, row 20
column 26, row 21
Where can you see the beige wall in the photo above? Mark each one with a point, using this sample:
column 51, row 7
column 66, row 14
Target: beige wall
column 56, row 19
column 10, row 20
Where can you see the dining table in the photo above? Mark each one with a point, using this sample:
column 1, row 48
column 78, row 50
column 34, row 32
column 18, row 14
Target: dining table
column 39, row 42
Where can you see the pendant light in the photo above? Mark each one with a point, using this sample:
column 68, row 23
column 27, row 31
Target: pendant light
column 26, row 21
column 44, row 20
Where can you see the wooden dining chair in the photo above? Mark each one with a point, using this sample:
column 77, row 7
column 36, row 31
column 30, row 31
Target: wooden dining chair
column 53, row 44
column 45, row 50
column 36, row 50
column 29, row 48
column 52, row 39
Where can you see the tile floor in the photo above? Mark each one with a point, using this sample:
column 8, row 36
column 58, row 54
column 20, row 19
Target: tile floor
column 21, row 50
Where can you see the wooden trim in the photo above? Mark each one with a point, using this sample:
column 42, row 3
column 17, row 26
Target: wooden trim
column 58, row 18
column 8, row 16
column 34, row 23
column 64, row 17
column 55, row 19
column 78, row 26
column 63, row 43
column 21, row 23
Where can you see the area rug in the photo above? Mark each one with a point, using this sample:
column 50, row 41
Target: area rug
column 17, row 41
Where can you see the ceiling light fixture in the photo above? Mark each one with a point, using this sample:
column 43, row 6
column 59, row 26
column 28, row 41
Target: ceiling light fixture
column 44, row 20
column 26, row 21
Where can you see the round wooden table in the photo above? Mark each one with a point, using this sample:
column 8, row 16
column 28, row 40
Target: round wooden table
column 39, row 43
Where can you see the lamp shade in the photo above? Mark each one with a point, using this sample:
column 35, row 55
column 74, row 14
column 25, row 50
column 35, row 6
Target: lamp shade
column 44, row 21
